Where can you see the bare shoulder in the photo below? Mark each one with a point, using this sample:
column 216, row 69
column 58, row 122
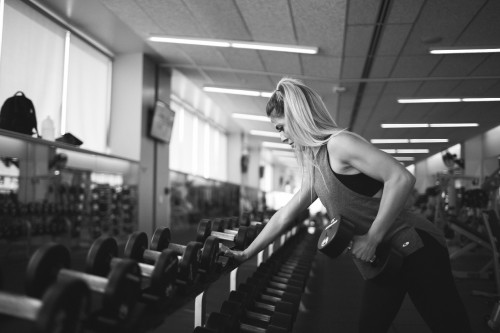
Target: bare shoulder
column 343, row 143
column 340, row 149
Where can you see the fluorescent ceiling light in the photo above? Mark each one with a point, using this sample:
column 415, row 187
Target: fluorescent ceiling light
column 404, row 158
column 403, row 125
column 265, row 133
column 428, row 140
column 461, row 50
column 412, row 151
column 390, row 141
column 447, row 100
column 245, row 92
column 428, row 100
column 190, row 41
column 275, row 47
column 276, row 145
column 429, row 125
column 236, row 44
column 283, row 153
column 406, row 151
column 250, row 117
column 232, row 91
column 407, row 140
column 486, row 99
column 455, row 125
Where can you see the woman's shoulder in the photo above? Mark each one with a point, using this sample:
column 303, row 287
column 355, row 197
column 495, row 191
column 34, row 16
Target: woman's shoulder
column 343, row 140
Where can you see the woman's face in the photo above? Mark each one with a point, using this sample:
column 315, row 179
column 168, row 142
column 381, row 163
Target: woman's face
column 279, row 124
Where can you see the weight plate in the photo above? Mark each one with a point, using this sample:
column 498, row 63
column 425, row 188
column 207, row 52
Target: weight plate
column 188, row 266
column 100, row 254
column 65, row 306
column 209, row 254
column 136, row 244
column 123, row 289
column 335, row 238
column 204, row 230
column 161, row 239
column 43, row 267
column 218, row 224
column 240, row 240
column 165, row 272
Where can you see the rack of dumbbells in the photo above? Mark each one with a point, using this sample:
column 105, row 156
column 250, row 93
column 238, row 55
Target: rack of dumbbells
column 135, row 290
column 269, row 300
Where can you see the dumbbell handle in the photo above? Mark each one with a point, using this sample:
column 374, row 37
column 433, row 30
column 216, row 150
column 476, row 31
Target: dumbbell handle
column 177, row 248
column 19, row 306
column 223, row 235
column 231, row 231
column 151, row 255
column 95, row 282
column 251, row 328
column 258, row 316
column 146, row 270
column 265, row 306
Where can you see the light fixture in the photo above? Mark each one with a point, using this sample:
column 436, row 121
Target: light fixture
column 406, row 151
column 283, row 153
column 189, row 41
column 404, row 158
column 403, row 125
column 455, row 125
column 463, row 50
column 486, row 99
column 378, row 141
column 236, row 44
column 428, row 100
column 447, row 100
column 390, row 141
column 428, row 140
column 268, row 144
column 409, row 125
column 233, row 91
column 265, row 133
column 250, row 117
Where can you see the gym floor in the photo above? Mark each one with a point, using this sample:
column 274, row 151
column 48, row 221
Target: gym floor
column 330, row 302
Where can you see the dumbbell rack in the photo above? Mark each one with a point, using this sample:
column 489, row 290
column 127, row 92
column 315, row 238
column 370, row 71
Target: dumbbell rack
column 296, row 249
column 148, row 316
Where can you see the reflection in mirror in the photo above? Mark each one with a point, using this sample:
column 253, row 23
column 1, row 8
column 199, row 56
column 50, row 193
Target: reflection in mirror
column 9, row 175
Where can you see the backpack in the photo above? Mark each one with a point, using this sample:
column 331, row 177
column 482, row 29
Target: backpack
column 18, row 115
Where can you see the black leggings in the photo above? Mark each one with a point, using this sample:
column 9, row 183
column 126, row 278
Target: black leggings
column 426, row 277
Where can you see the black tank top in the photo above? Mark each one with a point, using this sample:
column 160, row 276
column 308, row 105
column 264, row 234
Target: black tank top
column 360, row 183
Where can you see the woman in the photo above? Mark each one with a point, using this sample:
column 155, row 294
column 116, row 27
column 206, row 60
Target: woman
column 354, row 179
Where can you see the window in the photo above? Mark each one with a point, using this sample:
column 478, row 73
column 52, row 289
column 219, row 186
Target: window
column 33, row 57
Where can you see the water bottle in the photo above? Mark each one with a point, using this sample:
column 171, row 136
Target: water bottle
column 48, row 129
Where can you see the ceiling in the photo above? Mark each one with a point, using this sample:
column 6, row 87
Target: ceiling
column 375, row 51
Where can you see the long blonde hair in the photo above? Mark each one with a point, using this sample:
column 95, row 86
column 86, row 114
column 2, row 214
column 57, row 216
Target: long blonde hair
column 306, row 117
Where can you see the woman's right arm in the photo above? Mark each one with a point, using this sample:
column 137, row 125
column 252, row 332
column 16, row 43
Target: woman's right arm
column 278, row 223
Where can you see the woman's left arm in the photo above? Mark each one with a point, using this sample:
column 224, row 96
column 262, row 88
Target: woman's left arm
column 353, row 152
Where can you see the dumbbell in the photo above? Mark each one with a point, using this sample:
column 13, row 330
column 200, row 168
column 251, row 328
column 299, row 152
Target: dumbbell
column 248, row 301
column 268, row 294
column 240, row 239
column 159, row 278
column 120, row 291
column 63, row 307
column 206, row 257
column 187, row 269
column 226, row 226
column 281, row 317
column 292, row 280
column 222, row 323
